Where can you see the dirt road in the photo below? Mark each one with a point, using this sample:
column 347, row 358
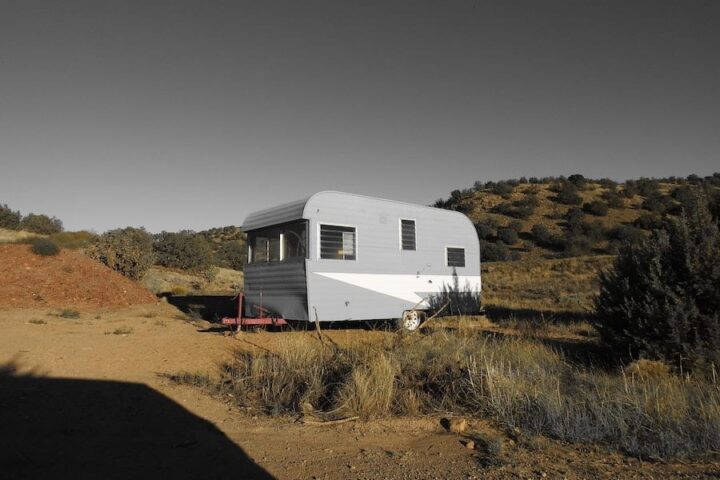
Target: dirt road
column 86, row 398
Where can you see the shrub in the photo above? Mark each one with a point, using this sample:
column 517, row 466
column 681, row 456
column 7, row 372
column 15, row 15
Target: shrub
column 504, row 189
column 532, row 190
column 68, row 313
column 541, row 232
column 568, row 194
column 648, row 221
column 545, row 238
column 578, row 180
column 128, row 251
column 661, row 300
column 629, row 189
column 8, row 218
column 508, row 236
column 516, row 225
column 624, row 235
column 574, row 217
column 658, row 203
column 496, row 252
column 522, row 208
column 577, row 244
column 647, row 187
column 608, row 183
column 184, row 250
column 41, row 224
column 232, row 254
column 596, row 207
column 45, row 247
column 613, row 199
column 714, row 206
column 484, row 231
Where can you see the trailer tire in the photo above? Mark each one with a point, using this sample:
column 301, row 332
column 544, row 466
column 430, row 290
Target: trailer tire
column 410, row 320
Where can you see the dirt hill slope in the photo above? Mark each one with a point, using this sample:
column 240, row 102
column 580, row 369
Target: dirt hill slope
column 68, row 280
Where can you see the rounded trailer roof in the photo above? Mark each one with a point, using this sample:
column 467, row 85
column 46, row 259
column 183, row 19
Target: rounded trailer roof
column 288, row 212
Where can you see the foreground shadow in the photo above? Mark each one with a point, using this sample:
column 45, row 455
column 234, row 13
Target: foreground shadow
column 209, row 307
column 66, row 428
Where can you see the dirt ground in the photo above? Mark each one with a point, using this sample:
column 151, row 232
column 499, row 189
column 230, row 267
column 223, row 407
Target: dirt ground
column 86, row 398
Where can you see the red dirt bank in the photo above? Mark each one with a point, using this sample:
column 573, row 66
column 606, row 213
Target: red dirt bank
column 68, row 280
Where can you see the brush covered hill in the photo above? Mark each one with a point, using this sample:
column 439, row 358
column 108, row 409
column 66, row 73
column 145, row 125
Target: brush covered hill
column 574, row 216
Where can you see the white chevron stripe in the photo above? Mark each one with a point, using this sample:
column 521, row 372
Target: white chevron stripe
column 403, row 286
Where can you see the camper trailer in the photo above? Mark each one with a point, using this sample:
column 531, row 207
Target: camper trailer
column 341, row 257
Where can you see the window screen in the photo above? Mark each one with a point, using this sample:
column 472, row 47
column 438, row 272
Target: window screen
column 337, row 242
column 407, row 234
column 455, row 257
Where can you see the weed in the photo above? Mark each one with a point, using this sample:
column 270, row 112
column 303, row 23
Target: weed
column 68, row 313
column 178, row 290
column 35, row 321
column 120, row 331
column 159, row 323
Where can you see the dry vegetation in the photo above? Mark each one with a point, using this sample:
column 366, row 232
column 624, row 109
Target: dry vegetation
column 516, row 382
column 536, row 370
column 543, row 287
column 215, row 280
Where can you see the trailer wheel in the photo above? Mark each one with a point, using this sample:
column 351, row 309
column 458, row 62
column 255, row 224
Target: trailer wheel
column 410, row 321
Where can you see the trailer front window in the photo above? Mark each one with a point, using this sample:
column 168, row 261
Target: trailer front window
column 337, row 243
column 278, row 243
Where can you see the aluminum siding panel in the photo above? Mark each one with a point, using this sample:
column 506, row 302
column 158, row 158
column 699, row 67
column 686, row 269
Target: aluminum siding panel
column 279, row 287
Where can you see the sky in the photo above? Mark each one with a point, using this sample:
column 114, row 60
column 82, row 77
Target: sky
column 188, row 115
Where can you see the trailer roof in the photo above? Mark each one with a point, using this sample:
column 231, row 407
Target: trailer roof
column 288, row 212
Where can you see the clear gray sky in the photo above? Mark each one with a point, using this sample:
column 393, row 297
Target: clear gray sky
column 179, row 114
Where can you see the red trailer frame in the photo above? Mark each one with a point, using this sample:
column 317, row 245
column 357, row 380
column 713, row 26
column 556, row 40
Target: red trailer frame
column 264, row 316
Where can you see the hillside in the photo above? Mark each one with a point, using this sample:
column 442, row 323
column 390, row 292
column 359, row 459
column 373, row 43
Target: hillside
column 573, row 216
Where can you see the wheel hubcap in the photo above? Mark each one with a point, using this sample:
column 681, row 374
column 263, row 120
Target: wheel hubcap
column 411, row 320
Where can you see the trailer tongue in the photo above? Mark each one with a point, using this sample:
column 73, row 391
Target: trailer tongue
column 263, row 317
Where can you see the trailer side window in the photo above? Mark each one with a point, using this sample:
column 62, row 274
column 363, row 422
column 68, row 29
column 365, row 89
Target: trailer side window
column 455, row 257
column 337, row 243
column 407, row 234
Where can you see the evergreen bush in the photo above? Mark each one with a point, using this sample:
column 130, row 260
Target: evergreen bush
column 128, row 251
column 661, row 299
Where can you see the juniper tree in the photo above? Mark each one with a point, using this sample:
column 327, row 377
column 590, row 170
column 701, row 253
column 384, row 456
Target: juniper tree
column 661, row 299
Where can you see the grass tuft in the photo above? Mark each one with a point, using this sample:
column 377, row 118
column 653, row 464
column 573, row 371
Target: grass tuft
column 121, row 331
column 68, row 313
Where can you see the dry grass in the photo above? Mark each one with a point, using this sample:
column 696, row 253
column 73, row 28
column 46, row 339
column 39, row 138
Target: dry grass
column 516, row 382
column 219, row 281
column 15, row 236
column 550, row 287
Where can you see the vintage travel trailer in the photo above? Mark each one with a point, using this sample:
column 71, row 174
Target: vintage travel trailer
column 338, row 256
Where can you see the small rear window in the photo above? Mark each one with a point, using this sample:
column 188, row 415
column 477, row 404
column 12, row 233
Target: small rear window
column 407, row 234
column 455, row 257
